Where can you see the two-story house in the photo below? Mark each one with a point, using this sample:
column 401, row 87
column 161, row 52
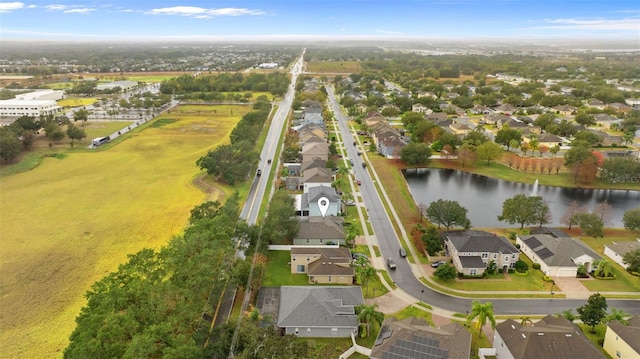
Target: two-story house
column 471, row 251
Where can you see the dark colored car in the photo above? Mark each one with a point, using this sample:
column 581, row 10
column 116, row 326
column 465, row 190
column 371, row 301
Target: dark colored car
column 402, row 252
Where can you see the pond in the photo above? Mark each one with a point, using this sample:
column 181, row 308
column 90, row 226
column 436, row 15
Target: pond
column 483, row 196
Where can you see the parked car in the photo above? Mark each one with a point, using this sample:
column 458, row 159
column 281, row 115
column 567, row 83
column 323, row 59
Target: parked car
column 391, row 264
column 356, row 256
column 438, row 264
column 402, row 252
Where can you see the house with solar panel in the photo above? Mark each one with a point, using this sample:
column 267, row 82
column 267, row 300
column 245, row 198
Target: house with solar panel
column 558, row 254
column 414, row 338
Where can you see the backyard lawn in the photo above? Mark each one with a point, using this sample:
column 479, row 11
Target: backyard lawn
column 87, row 210
column 278, row 271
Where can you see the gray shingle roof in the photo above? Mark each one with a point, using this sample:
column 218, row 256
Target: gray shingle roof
column 623, row 248
column 471, row 262
column 322, row 191
column 551, row 337
column 479, row 241
column 321, row 227
column 306, row 306
column 558, row 252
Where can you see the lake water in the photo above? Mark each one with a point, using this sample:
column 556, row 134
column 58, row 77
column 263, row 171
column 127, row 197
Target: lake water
column 483, row 196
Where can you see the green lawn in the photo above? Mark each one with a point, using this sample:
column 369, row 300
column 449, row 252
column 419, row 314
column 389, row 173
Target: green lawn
column 624, row 282
column 278, row 271
column 411, row 311
column 374, row 288
column 596, row 338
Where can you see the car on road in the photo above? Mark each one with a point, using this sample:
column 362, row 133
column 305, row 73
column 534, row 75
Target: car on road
column 402, row 252
column 438, row 264
column 391, row 264
column 358, row 182
column 259, row 172
column 351, row 162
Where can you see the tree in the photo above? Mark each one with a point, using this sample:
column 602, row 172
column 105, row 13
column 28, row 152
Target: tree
column 447, row 213
column 431, row 239
column 621, row 170
column 554, row 150
column 415, row 153
column 523, row 209
column 53, row 132
column 366, row 272
column 75, row 133
column 590, row 223
column 505, row 135
column 619, row 315
column 568, row 315
column 368, row 314
column 81, row 115
column 445, row 272
column 632, row 260
column 603, row 211
column 603, row 269
column 521, row 266
column 9, row 145
column 543, row 213
column 525, row 320
column 631, row 219
column 281, row 224
column 569, row 216
column 594, row 311
column 481, row 312
column 489, row 151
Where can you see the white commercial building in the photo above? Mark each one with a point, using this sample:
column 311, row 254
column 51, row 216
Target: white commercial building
column 32, row 104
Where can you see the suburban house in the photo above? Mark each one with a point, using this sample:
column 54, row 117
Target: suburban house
column 307, row 203
column 391, row 146
column 549, row 139
column 608, row 139
column 459, row 128
column 565, row 110
column 623, row 341
column 551, row 337
column 317, row 176
column 437, row 116
column 496, row 119
column 413, row 338
column 617, row 250
column 319, row 312
column 323, row 264
column 605, row 120
column 313, row 150
column 507, row 109
column 557, row 256
column 471, row 251
column 621, row 107
column 313, row 118
column 480, row 110
column 320, row 231
column 595, row 103
column 420, row 108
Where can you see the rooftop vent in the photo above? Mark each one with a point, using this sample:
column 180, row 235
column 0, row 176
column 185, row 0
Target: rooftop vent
column 524, row 336
column 540, row 333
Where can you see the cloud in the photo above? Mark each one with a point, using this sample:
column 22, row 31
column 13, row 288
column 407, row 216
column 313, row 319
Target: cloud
column 10, row 6
column 203, row 13
column 79, row 11
column 596, row 24
column 56, row 7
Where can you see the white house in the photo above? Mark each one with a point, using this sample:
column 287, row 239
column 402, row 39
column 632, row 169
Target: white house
column 557, row 256
column 617, row 250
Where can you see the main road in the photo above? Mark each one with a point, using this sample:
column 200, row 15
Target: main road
column 404, row 276
column 251, row 207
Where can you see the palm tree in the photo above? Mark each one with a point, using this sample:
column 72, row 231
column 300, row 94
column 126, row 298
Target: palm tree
column 619, row 315
column 603, row 269
column 525, row 320
column 366, row 274
column 481, row 312
column 368, row 314
column 568, row 315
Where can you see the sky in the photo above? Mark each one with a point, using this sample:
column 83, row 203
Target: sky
column 196, row 20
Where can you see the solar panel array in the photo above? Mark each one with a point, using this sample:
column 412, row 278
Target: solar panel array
column 533, row 242
column 544, row 253
column 417, row 348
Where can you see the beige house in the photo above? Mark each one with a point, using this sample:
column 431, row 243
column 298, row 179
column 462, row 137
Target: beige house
column 327, row 265
column 558, row 256
column 471, row 251
column 623, row 341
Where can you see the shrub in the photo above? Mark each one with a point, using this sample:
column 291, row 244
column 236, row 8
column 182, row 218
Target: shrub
column 518, row 245
column 511, row 270
column 536, row 265
column 547, row 279
column 521, row 266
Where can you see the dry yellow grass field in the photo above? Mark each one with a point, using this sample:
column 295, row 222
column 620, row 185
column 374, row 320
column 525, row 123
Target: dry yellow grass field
column 70, row 221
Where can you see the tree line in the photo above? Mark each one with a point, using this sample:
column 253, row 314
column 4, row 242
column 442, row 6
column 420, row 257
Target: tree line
column 277, row 83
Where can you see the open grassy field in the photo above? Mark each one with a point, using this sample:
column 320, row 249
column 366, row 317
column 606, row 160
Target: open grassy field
column 76, row 102
column 346, row 67
column 74, row 218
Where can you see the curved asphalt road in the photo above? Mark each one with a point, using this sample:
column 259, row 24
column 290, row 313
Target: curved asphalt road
column 404, row 277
